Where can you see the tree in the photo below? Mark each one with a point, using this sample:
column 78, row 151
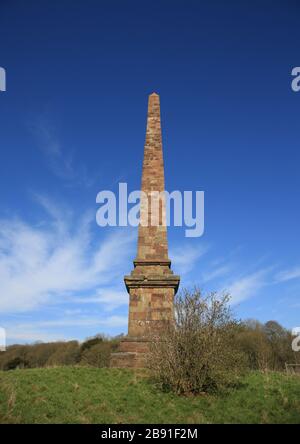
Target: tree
column 253, row 342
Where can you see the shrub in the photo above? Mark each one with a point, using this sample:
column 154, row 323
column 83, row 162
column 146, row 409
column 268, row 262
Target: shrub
column 90, row 342
column 14, row 357
column 14, row 363
column 199, row 351
column 96, row 352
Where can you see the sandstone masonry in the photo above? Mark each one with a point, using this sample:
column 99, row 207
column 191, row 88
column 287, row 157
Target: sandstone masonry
column 152, row 284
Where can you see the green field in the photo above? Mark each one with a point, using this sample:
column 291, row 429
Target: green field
column 90, row 395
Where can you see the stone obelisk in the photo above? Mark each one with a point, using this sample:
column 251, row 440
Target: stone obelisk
column 152, row 284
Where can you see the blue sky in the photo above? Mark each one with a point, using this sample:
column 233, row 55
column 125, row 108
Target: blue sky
column 72, row 123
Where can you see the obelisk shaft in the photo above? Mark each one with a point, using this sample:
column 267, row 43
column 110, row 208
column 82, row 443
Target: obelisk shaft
column 152, row 238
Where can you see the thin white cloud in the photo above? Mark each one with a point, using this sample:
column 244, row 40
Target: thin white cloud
column 110, row 298
column 215, row 273
column 79, row 321
column 46, row 263
column 185, row 258
column 29, row 335
column 247, row 286
column 55, row 330
column 59, row 160
column 288, row 275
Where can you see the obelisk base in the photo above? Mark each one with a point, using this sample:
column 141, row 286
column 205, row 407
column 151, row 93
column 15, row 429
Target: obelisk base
column 151, row 286
column 132, row 353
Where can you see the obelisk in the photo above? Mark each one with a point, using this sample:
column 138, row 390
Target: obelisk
column 152, row 284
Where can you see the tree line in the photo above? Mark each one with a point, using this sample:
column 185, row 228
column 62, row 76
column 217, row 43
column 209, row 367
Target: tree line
column 94, row 352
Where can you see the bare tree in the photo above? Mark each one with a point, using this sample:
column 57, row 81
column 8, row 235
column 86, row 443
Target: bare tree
column 198, row 352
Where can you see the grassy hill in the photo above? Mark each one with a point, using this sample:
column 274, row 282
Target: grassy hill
column 90, row 395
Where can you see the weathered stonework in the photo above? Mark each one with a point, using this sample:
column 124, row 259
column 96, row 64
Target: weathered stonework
column 152, row 284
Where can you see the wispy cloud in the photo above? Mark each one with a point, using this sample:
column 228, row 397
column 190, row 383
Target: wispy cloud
column 60, row 328
column 58, row 260
column 185, row 258
column 221, row 274
column 215, row 273
column 287, row 275
column 109, row 298
column 82, row 321
column 16, row 334
column 246, row 286
column 59, row 159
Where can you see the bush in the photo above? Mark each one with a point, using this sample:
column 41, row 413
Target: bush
column 96, row 352
column 90, row 342
column 13, row 358
column 14, row 363
column 198, row 353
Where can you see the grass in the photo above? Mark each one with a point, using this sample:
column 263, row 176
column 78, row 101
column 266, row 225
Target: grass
column 90, row 395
